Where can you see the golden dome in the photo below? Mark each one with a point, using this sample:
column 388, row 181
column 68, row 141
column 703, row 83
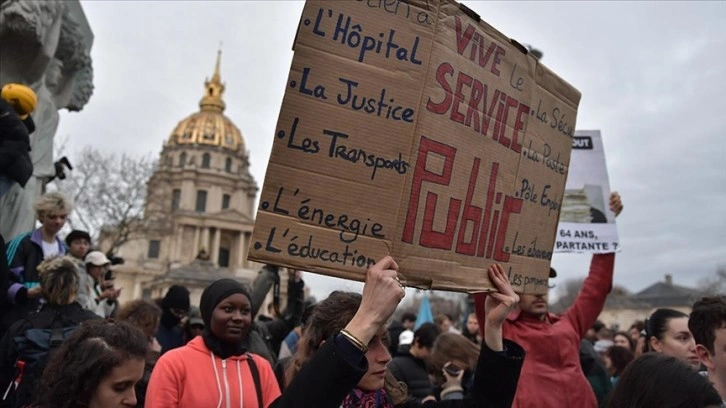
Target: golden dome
column 209, row 126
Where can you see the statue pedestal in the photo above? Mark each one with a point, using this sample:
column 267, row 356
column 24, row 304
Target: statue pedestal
column 46, row 45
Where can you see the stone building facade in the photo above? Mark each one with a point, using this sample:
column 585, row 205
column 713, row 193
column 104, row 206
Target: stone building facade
column 200, row 207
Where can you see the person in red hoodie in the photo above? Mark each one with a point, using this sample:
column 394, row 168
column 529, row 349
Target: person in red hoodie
column 215, row 369
column 552, row 375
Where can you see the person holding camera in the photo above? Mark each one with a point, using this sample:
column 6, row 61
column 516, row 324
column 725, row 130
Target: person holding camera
column 103, row 296
column 452, row 363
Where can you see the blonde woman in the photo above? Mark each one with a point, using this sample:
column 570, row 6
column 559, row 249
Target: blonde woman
column 26, row 251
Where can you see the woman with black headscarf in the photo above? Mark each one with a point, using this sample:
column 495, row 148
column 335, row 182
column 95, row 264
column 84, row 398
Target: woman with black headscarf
column 215, row 369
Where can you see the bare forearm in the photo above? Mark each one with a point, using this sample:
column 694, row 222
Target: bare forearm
column 493, row 336
column 363, row 327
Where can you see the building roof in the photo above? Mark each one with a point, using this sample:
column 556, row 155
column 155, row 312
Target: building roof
column 199, row 273
column 624, row 302
column 667, row 294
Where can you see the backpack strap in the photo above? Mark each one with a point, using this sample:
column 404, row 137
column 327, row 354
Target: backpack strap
column 256, row 378
column 56, row 337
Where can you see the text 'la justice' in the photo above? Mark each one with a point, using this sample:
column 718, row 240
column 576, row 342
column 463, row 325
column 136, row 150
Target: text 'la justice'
column 381, row 106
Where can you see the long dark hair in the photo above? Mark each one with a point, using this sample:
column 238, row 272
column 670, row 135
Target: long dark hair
column 329, row 317
column 657, row 325
column 620, row 357
column 631, row 346
column 85, row 359
column 655, row 380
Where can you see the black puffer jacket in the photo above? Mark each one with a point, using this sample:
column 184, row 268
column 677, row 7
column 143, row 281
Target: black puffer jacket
column 15, row 162
column 412, row 371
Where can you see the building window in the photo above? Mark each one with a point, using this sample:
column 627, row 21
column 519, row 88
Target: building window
column 175, row 199
column 205, row 161
column 182, row 159
column 225, row 201
column 154, row 246
column 201, row 201
column 223, row 260
column 228, row 165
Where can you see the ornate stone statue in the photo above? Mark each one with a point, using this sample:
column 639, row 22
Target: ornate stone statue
column 45, row 45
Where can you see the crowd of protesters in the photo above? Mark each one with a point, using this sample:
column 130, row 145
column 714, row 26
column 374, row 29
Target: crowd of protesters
column 66, row 341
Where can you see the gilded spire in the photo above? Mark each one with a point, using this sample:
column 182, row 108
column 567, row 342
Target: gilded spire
column 215, row 77
column 214, row 88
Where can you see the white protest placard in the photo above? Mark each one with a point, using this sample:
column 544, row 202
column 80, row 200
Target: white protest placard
column 586, row 222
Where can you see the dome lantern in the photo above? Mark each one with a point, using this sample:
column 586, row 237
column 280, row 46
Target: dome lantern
column 214, row 88
column 209, row 126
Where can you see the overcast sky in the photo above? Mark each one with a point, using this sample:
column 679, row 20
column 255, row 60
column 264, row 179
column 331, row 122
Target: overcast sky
column 652, row 77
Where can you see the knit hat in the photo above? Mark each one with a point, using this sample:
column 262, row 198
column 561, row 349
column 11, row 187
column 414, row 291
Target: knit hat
column 22, row 98
column 176, row 298
column 217, row 292
column 77, row 234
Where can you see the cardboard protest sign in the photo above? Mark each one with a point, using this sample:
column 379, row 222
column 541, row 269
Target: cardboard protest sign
column 586, row 222
column 417, row 130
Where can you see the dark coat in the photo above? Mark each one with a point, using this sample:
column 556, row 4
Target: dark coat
column 170, row 337
column 25, row 253
column 4, row 276
column 412, row 371
column 15, row 162
column 327, row 378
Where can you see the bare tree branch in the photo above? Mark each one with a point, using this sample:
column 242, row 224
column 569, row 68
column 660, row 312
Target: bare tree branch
column 109, row 191
column 714, row 285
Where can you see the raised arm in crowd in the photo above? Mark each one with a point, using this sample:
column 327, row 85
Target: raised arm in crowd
column 341, row 358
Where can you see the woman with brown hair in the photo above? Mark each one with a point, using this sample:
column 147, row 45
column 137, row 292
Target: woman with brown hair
column 342, row 356
column 145, row 316
column 452, row 363
column 666, row 331
column 616, row 360
column 96, row 367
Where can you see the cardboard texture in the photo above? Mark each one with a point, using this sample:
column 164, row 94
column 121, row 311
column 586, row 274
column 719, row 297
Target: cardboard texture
column 414, row 130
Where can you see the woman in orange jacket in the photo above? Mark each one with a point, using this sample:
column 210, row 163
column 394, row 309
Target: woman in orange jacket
column 215, row 369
